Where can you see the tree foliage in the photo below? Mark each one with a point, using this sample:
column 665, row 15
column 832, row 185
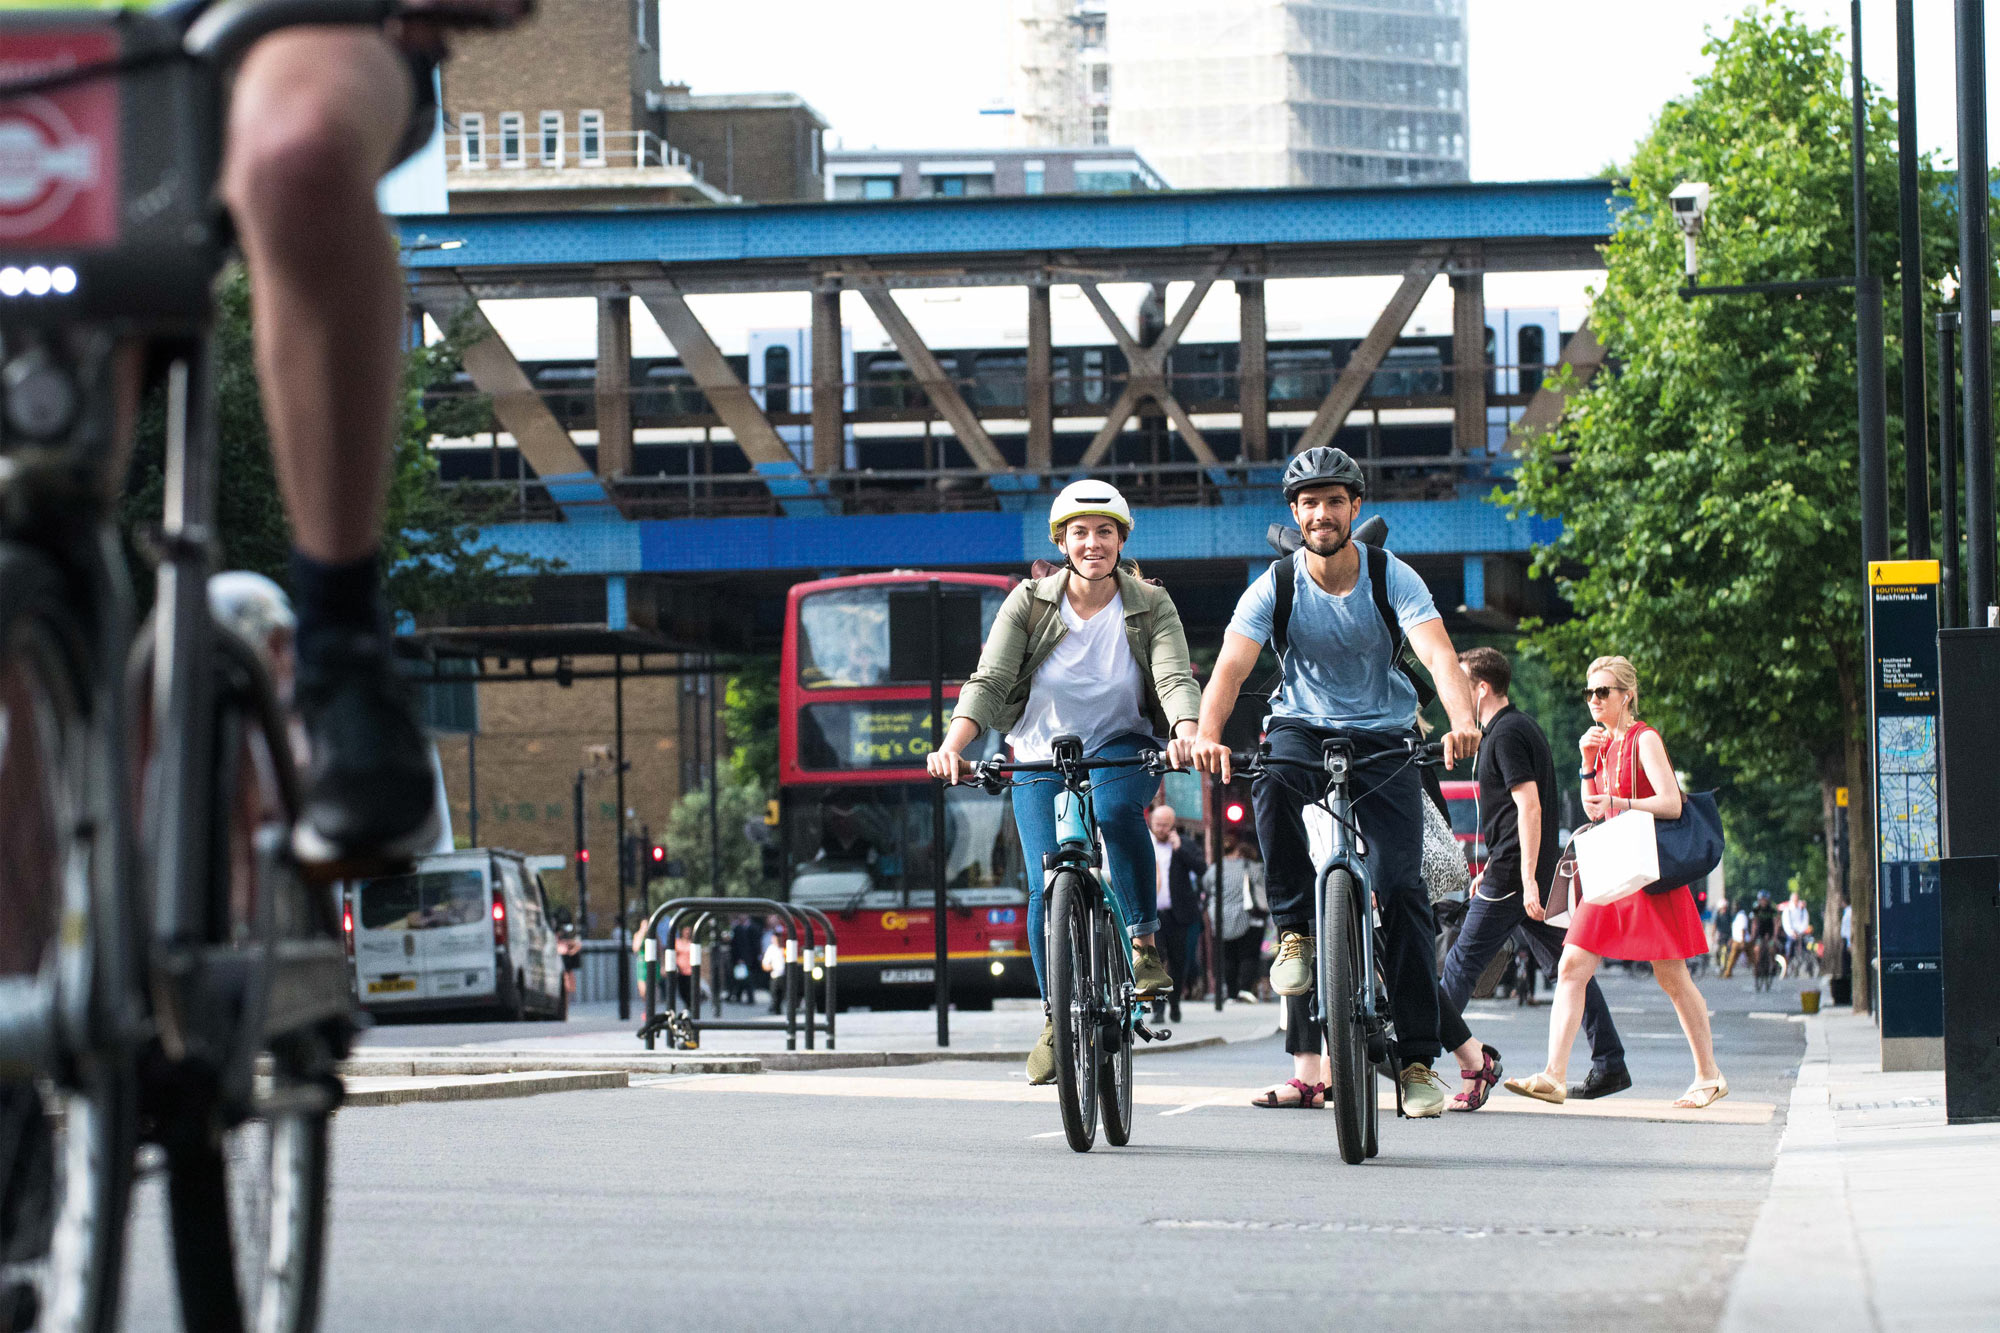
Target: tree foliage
column 432, row 553
column 750, row 715
column 739, row 808
column 1708, row 490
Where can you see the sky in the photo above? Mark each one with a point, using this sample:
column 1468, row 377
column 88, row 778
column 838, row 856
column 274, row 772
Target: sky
column 1559, row 88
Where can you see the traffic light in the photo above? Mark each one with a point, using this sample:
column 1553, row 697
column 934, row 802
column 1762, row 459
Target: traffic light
column 583, row 856
column 628, row 859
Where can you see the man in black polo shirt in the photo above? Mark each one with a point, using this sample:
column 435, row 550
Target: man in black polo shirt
column 1517, row 820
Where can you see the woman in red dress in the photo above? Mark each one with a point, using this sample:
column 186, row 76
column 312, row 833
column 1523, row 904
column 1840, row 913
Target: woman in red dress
column 1625, row 767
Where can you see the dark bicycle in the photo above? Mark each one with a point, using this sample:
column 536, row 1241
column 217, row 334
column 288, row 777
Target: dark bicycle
column 167, row 974
column 1352, row 999
column 1092, row 997
column 1765, row 966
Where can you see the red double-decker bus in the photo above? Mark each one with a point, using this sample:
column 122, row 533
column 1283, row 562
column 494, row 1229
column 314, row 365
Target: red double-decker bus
column 856, row 821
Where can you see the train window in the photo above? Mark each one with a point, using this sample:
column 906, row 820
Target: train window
column 1301, row 372
column 1489, row 356
column 1408, row 372
column 777, row 379
column 1530, row 352
column 999, row 379
column 1093, row 375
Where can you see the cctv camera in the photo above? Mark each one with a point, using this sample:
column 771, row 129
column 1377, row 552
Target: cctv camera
column 1689, row 201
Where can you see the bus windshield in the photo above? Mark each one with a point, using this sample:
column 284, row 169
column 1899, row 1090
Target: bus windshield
column 852, row 848
column 874, row 636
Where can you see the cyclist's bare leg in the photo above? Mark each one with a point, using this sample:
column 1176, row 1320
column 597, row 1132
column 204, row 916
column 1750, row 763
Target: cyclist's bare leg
column 316, row 115
column 1573, row 973
column 1692, row 1009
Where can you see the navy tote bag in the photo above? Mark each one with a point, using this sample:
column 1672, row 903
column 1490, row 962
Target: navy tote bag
column 1690, row 846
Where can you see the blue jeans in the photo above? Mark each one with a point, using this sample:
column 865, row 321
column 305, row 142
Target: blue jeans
column 1119, row 795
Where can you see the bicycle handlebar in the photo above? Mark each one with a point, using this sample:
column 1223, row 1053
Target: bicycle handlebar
column 1427, row 754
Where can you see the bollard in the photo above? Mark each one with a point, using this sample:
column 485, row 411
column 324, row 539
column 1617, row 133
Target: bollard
column 652, row 966
column 832, row 995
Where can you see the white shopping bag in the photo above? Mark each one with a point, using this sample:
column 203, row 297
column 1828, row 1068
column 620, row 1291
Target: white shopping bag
column 1618, row 858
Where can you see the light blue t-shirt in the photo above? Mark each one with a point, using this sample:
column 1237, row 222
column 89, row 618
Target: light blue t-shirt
column 1337, row 671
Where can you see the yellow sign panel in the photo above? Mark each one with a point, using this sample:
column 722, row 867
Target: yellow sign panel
column 1840, row 797
column 1896, row 573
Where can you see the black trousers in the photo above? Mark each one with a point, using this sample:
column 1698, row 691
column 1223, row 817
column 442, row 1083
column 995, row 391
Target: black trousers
column 1389, row 812
column 1488, row 922
column 1176, row 944
column 1302, row 1035
column 1240, row 958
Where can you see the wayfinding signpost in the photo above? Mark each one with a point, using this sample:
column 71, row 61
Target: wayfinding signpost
column 1903, row 630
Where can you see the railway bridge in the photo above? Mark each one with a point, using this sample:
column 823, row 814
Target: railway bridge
column 683, row 499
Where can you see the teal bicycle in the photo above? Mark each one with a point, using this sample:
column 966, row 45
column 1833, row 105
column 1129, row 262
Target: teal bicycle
column 1092, row 996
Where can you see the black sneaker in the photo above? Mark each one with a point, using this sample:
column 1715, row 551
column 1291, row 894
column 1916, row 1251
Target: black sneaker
column 370, row 793
column 1601, row 1083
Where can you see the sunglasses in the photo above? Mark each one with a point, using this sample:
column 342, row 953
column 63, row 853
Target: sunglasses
column 1599, row 693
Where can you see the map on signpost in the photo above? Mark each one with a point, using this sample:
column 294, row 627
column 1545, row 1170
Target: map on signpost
column 1907, row 747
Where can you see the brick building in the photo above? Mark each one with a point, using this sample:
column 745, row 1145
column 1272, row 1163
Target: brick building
column 568, row 111
column 532, row 739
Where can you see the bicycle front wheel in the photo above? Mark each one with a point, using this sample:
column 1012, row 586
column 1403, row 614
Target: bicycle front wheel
column 66, row 1146
column 1072, row 1000
column 1341, row 972
column 1114, row 1075
column 247, row 1184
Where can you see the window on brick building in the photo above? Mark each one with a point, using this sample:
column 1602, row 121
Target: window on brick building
column 472, row 141
column 510, row 139
column 590, row 138
column 552, row 138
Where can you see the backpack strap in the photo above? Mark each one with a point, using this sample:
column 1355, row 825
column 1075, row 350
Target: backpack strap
column 1285, row 581
column 1378, row 588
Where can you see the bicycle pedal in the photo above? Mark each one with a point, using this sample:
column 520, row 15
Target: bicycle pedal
column 1149, row 1035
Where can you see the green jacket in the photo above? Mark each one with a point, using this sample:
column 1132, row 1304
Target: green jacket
column 1030, row 625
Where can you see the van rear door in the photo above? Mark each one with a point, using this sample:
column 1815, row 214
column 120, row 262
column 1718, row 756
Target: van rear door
column 427, row 935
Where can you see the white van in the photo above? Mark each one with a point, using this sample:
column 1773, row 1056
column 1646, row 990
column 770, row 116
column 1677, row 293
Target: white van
column 463, row 930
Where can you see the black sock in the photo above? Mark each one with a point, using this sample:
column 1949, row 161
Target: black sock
column 337, row 598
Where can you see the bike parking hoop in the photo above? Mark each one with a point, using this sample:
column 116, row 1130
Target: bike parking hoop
column 804, row 955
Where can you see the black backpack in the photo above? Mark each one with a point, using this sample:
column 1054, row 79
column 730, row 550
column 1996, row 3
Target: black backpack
column 1284, row 574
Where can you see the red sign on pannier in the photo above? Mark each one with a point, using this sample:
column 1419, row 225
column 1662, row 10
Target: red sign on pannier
column 58, row 150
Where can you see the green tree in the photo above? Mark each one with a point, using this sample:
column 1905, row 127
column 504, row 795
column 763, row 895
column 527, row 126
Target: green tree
column 739, row 808
column 750, row 715
column 1708, row 489
column 432, row 552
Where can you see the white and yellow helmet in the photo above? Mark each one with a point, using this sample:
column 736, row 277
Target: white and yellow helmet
column 1084, row 499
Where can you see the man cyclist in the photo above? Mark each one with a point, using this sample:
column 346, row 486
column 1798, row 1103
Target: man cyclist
column 1763, row 926
column 316, row 116
column 1339, row 672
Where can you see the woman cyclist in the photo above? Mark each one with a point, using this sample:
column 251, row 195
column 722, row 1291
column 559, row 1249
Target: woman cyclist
column 1092, row 651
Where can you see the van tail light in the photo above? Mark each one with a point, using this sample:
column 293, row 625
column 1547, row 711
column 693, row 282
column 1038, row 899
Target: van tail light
column 499, row 921
column 347, row 929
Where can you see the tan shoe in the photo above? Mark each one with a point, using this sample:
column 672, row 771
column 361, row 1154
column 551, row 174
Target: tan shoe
column 1423, row 1091
column 1703, row 1093
column 1539, row 1086
column 1149, row 973
column 1042, row 1060
column 1292, row 970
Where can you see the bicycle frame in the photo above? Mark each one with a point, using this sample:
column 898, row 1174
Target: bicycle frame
column 1342, row 854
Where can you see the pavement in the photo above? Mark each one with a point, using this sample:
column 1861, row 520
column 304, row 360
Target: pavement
column 1881, row 1216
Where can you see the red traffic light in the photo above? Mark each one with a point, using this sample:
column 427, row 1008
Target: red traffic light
column 583, row 855
column 659, row 852
column 1233, row 812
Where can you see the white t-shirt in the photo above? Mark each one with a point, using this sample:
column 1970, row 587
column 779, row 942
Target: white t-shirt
column 1088, row 686
column 1739, row 929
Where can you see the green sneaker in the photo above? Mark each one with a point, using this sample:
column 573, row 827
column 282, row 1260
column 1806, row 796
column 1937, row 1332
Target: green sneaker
column 1292, row 972
column 1149, row 974
column 1042, row 1060
column 1423, row 1091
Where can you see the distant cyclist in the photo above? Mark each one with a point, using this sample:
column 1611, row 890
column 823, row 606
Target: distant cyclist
column 1340, row 671
column 1764, row 926
column 316, row 116
column 1094, row 651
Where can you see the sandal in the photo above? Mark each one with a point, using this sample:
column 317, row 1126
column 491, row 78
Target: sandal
column 1479, row 1083
column 1312, row 1096
column 1539, row 1086
column 1703, row 1093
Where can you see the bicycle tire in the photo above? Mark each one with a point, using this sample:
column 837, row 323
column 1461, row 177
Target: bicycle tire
column 1114, row 1074
column 66, row 1177
column 247, row 1201
column 1346, row 1044
column 1070, row 1003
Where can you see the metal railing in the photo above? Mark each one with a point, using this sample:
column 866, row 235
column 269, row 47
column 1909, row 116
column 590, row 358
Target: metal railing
column 531, row 149
column 812, row 958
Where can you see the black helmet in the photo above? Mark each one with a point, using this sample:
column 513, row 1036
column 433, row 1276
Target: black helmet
column 1324, row 467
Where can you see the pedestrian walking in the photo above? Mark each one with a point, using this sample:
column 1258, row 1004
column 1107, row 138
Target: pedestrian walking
column 744, row 938
column 1178, row 867
column 1517, row 821
column 1739, row 937
column 1245, row 911
column 1091, row 650
column 1625, row 767
column 774, row 963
